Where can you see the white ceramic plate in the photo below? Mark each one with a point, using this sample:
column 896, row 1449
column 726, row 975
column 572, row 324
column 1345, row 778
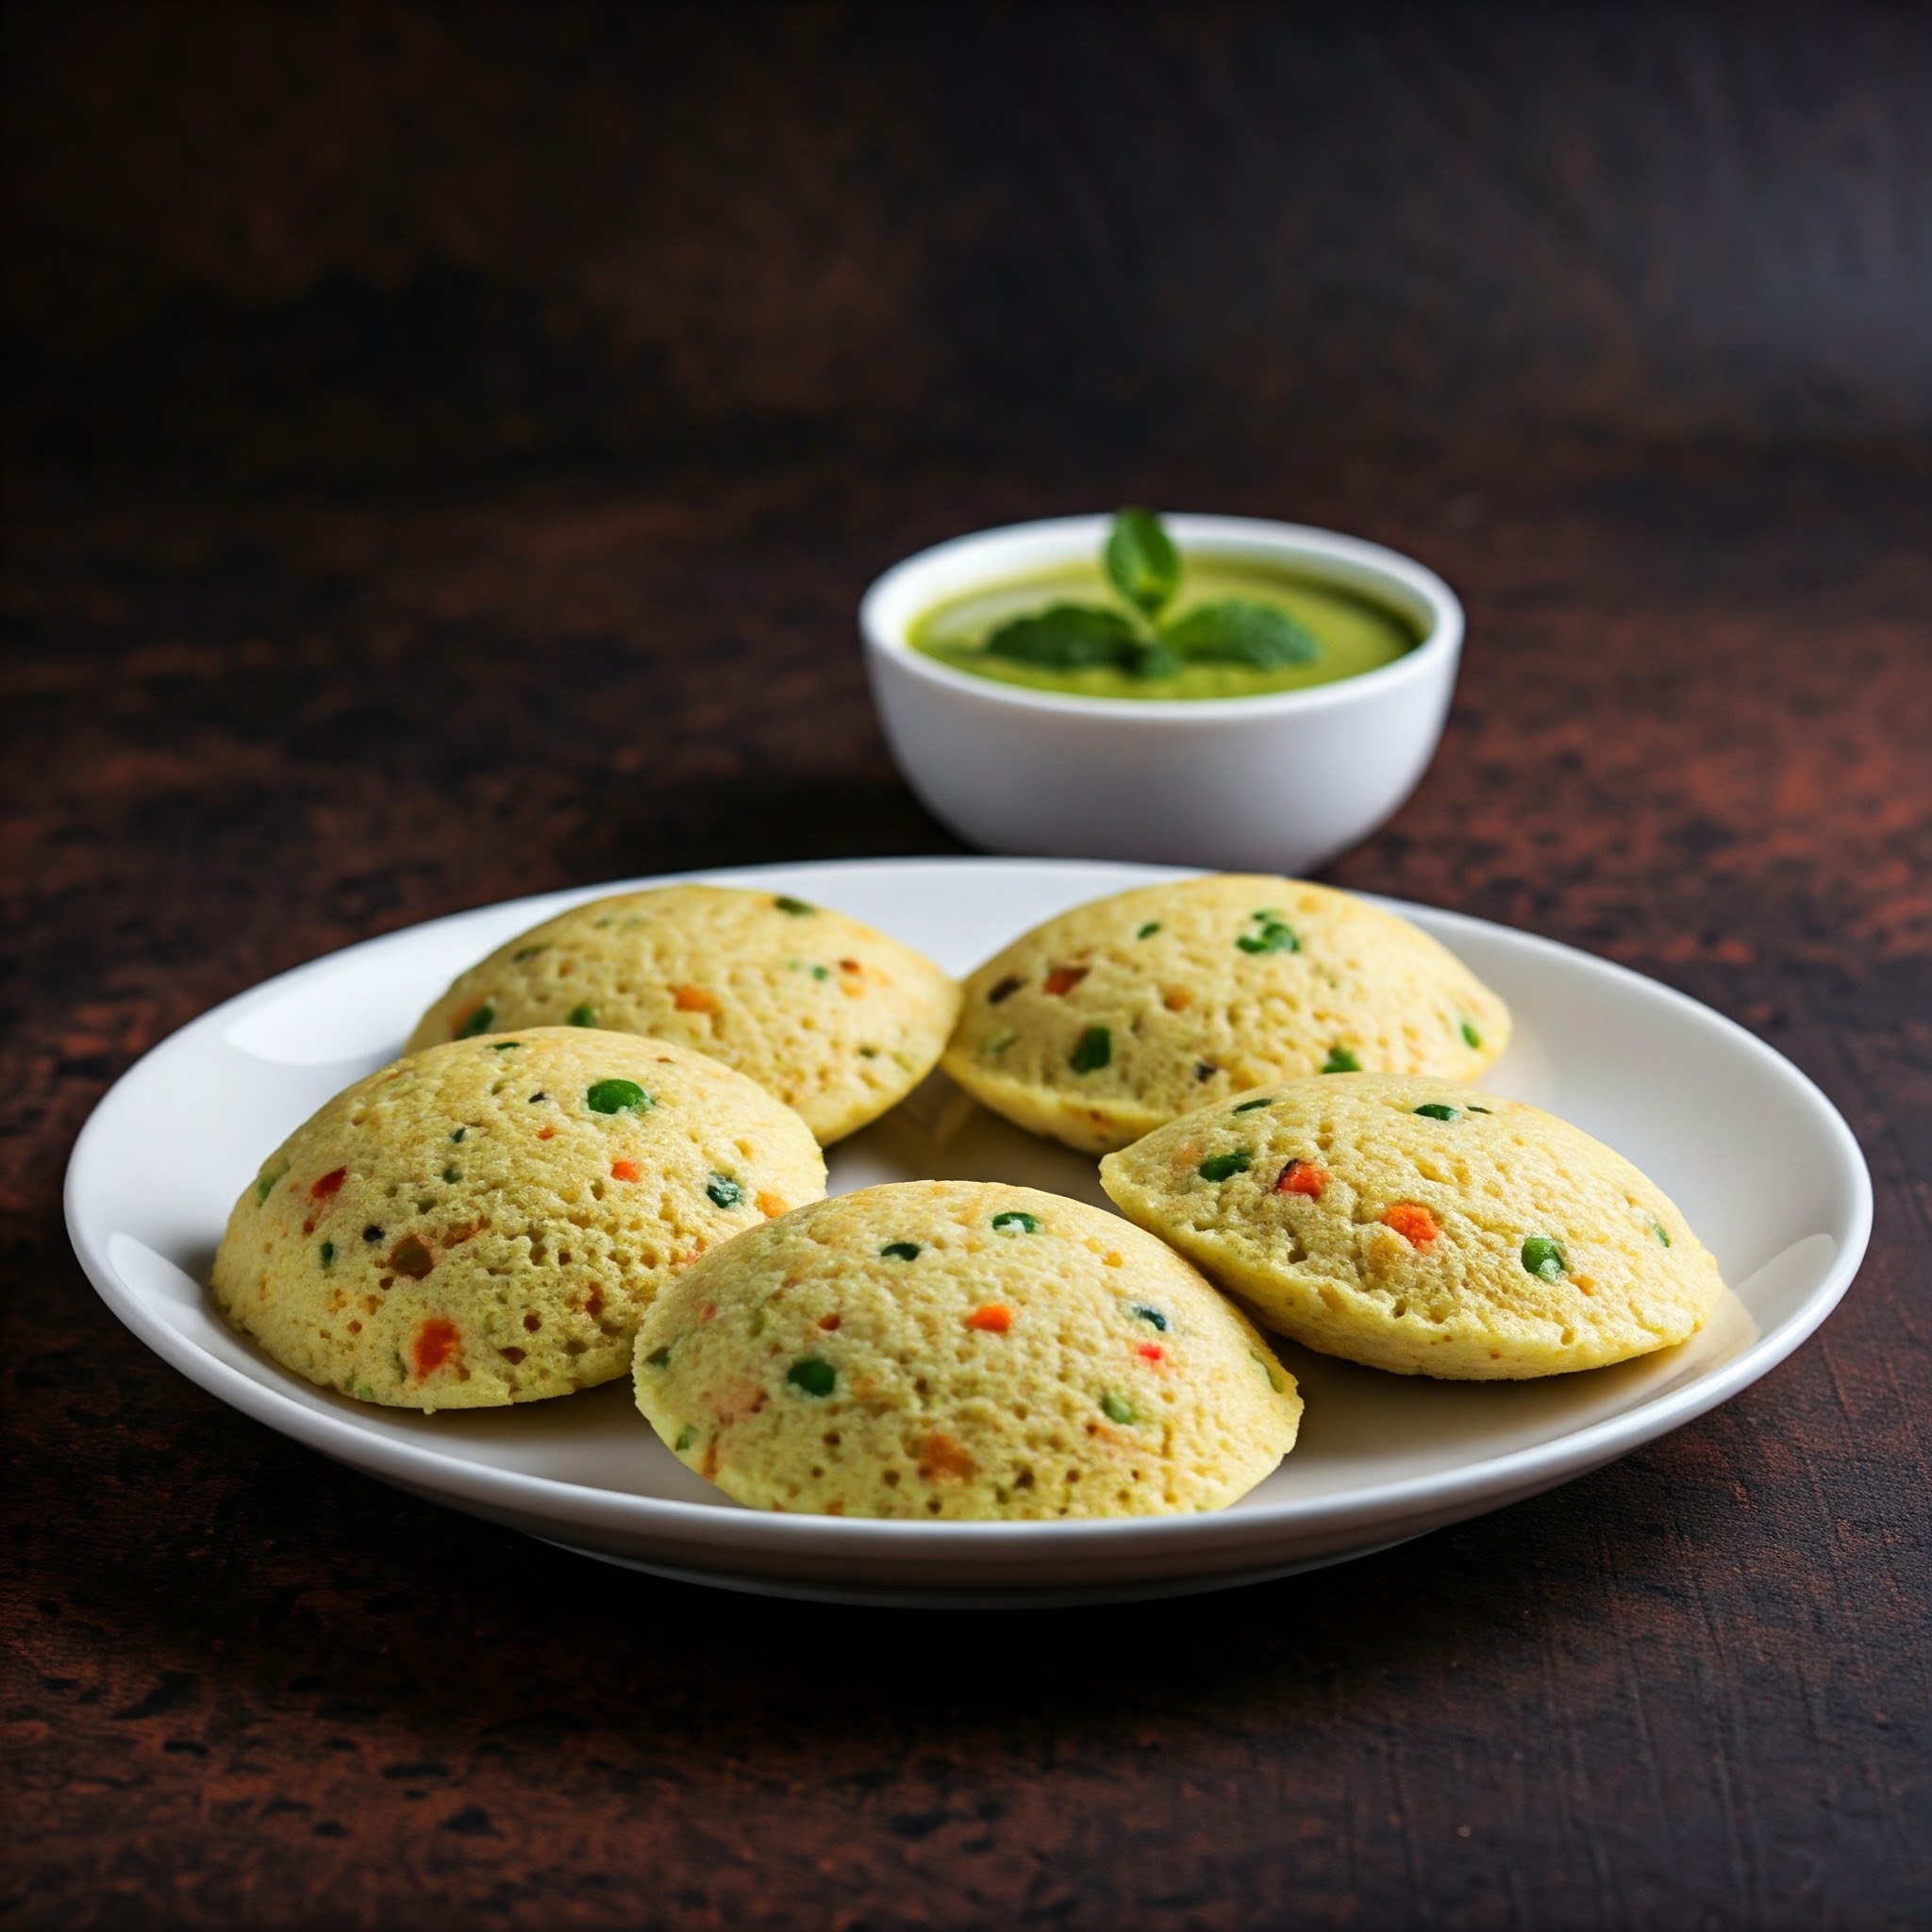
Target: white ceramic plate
column 1756, row 1158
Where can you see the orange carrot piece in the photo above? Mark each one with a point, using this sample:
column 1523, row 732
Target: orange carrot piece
column 1412, row 1222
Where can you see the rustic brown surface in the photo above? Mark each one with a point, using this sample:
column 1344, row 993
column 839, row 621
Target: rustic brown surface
column 288, row 664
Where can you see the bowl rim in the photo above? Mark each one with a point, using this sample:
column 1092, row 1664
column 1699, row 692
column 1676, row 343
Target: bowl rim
column 1364, row 567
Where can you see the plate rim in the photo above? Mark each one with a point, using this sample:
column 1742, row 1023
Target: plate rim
column 745, row 1531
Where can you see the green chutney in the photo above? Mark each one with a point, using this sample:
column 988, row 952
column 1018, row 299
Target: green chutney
column 1354, row 634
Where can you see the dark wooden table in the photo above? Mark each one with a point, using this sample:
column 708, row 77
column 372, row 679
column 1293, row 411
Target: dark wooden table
column 444, row 451
column 247, row 1686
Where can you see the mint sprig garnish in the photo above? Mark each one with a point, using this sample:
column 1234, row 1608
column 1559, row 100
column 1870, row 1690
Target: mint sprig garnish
column 1142, row 565
column 1237, row 630
column 1144, row 569
column 1066, row 636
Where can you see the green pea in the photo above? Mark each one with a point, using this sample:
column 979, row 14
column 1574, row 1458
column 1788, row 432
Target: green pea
column 1274, row 1381
column 478, row 1021
column 1249, row 1106
column 1116, row 1409
column 523, row 953
column 459, row 1133
column 328, row 1254
column 815, row 1378
column 506, row 1047
column 1662, row 1232
column 1273, row 937
column 452, row 1176
column 1435, row 1110
column 585, row 1015
column 1341, row 1059
column 1016, row 1221
column 1222, row 1167
column 1094, row 1049
column 1470, row 1035
column 1543, row 1258
column 1482, row 1109
column 798, row 909
column 658, row 1358
column 1148, row 930
column 685, row 1437
column 618, row 1096
column 724, row 1190
column 822, row 973
column 900, row 1251
column 1141, row 1313
column 266, row 1185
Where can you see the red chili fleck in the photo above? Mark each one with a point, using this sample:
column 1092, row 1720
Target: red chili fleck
column 436, row 1341
column 548, row 1134
column 830, row 1320
column 1063, row 979
column 995, row 1318
column 1152, row 1351
column 626, row 1170
column 1302, row 1177
column 1412, row 1222
column 329, row 1184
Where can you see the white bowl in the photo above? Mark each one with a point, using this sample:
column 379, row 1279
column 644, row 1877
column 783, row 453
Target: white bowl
column 1275, row 783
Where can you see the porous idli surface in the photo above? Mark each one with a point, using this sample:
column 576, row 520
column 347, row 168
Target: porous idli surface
column 837, row 1020
column 484, row 1222
column 958, row 1349
column 1421, row 1226
column 1098, row 1025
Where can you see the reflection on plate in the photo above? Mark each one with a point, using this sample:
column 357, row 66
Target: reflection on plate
column 1756, row 1156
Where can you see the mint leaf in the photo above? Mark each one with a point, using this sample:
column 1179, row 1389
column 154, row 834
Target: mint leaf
column 1066, row 636
column 1237, row 630
column 1142, row 562
column 1082, row 637
column 1150, row 657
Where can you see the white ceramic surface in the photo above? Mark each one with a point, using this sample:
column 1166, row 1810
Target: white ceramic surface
column 1276, row 783
column 1752, row 1152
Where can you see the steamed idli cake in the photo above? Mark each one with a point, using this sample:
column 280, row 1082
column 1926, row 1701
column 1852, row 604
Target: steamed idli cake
column 1423, row 1227
column 961, row 1349
column 839, row 1020
column 483, row 1222
column 1098, row 1025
